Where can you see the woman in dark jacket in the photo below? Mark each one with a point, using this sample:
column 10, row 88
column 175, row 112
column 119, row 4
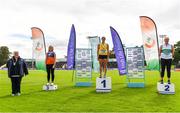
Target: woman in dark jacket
column 17, row 68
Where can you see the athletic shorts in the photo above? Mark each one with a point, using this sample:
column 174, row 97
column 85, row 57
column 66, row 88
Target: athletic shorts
column 102, row 57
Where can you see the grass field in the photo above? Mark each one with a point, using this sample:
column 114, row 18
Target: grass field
column 85, row 99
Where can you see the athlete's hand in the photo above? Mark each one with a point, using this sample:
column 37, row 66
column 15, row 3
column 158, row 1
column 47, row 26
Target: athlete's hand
column 53, row 66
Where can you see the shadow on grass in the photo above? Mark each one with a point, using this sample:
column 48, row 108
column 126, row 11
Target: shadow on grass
column 23, row 94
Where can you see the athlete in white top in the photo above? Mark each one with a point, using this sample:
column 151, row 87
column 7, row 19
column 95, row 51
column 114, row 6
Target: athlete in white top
column 166, row 54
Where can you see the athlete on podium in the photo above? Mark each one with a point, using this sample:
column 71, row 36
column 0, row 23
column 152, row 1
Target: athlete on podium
column 103, row 56
column 166, row 54
column 50, row 64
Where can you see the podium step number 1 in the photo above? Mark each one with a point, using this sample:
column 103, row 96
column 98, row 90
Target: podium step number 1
column 103, row 84
column 166, row 88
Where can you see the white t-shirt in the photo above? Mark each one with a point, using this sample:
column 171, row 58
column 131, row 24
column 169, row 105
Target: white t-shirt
column 166, row 51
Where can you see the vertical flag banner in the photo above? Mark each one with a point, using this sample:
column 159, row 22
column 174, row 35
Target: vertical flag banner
column 94, row 41
column 71, row 49
column 119, row 51
column 39, row 48
column 150, row 42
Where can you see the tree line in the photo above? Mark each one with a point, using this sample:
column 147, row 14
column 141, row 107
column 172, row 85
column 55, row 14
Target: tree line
column 4, row 54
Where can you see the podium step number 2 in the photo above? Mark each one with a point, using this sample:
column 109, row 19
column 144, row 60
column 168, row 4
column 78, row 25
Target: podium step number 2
column 166, row 88
column 103, row 84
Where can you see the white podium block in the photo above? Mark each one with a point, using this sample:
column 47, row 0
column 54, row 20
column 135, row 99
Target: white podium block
column 50, row 87
column 166, row 88
column 103, row 84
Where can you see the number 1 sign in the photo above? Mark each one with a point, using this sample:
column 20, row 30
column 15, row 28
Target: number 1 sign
column 103, row 84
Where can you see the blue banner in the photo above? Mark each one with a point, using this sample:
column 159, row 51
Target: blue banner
column 119, row 51
column 71, row 49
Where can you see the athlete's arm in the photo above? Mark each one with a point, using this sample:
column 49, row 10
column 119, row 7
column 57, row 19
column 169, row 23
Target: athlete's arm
column 172, row 51
column 108, row 51
column 46, row 58
column 54, row 61
column 98, row 51
column 160, row 50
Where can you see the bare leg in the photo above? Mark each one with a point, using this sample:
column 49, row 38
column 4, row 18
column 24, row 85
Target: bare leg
column 100, row 64
column 105, row 67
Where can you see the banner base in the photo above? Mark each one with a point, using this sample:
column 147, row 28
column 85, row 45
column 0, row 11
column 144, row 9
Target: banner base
column 136, row 84
column 83, row 84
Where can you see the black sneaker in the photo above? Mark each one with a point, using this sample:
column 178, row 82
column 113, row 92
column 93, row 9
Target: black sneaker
column 100, row 76
column 169, row 82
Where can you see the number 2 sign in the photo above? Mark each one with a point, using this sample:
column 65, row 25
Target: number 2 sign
column 166, row 88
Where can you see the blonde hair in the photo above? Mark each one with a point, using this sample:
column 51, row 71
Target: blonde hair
column 51, row 48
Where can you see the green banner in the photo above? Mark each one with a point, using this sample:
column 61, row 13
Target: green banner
column 39, row 50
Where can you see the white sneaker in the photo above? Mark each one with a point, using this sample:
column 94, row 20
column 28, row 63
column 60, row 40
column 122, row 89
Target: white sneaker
column 47, row 84
column 13, row 95
column 18, row 94
column 52, row 84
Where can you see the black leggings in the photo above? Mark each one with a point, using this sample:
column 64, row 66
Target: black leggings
column 50, row 71
column 166, row 63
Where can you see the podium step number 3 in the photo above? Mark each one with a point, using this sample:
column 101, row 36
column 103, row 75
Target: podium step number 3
column 50, row 87
column 166, row 88
column 103, row 84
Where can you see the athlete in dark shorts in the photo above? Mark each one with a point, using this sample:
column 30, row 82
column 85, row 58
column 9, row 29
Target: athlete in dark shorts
column 103, row 56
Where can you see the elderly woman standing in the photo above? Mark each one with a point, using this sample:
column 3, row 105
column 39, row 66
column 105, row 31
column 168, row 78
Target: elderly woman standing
column 17, row 68
column 166, row 55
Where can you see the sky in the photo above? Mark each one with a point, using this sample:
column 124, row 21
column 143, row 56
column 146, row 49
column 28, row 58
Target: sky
column 90, row 17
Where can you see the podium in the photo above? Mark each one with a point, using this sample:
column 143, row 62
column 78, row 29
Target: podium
column 103, row 84
column 50, row 87
column 166, row 88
